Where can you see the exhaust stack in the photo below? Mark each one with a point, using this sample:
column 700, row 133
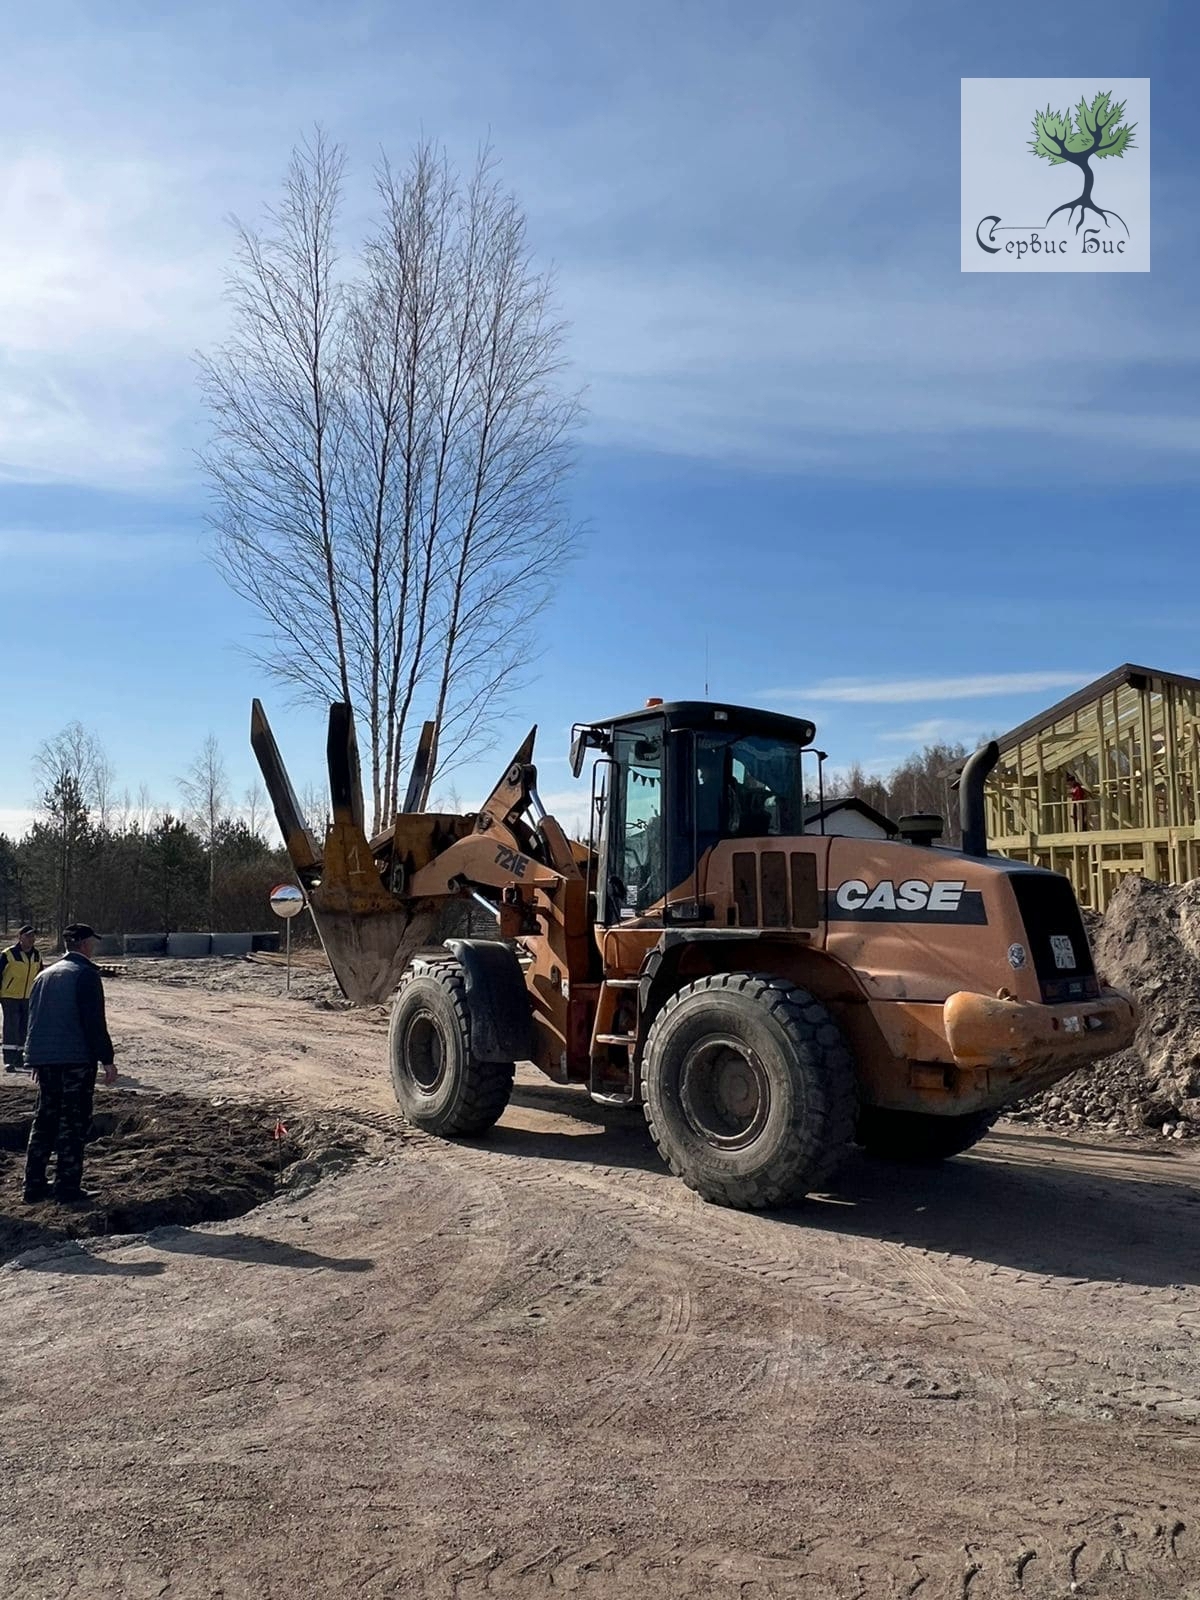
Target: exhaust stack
column 972, row 815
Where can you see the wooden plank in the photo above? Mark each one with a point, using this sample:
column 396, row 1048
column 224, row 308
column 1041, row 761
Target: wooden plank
column 1133, row 837
column 1045, row 822
column 1149, row 815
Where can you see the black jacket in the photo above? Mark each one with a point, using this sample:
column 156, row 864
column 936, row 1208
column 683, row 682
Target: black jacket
column 67, row 1024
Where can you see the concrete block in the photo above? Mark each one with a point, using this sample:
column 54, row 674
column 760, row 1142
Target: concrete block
column 184, row 946
column 111, row 944
column 267, row 941
column 232, row 944
column 145, row 944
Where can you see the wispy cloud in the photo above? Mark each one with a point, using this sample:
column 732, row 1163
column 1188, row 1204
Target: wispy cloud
column 110, row 274
column 931, row 731
column 902, row 691
column 43, row 551
column 809, row 317
column 90, row 254
column 895, row 374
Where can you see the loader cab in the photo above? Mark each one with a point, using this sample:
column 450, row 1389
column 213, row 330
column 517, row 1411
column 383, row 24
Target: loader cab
column 672, row 781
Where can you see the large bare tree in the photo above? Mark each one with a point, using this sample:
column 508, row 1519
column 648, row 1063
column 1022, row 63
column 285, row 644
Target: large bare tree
column 390, row 444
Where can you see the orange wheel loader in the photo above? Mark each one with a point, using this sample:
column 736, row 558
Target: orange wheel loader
column 768, row 995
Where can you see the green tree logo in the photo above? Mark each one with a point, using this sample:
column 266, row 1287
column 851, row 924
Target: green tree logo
column 1096, row 130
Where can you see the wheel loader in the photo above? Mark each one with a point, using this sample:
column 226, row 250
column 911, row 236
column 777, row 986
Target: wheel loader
column 770, row 995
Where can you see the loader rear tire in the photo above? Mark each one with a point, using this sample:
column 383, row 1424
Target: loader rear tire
column 439, row 1084
column 749, row 1090
column 917, row 1137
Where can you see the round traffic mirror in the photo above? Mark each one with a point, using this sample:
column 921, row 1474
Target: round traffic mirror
column 286, row 900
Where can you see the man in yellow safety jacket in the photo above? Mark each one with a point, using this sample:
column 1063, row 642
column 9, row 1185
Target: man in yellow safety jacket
column 19, row 966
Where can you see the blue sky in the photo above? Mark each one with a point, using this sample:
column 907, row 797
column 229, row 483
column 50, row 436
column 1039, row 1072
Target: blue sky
column 905, row 501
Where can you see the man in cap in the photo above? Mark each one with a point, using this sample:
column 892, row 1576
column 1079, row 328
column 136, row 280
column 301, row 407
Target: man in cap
column 19, row 966
column 68, row 1036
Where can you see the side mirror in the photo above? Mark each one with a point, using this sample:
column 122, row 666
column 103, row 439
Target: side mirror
column 583, row 739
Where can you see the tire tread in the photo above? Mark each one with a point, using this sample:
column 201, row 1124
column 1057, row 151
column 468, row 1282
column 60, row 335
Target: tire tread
column 484, row 1087
column 814, row 1148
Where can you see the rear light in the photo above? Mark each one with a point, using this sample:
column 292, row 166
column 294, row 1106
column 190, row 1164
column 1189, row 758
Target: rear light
column 1057, row 990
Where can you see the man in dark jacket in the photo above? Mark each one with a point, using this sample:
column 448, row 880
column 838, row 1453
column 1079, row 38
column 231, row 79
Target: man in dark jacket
column 19, row 966
column 68, row 1035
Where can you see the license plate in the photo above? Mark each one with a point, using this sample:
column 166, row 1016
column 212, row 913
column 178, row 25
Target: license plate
column 1064, row 952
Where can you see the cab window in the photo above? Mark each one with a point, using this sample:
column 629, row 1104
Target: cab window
column 749, row 787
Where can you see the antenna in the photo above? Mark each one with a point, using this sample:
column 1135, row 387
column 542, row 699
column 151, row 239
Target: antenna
column 706, row 666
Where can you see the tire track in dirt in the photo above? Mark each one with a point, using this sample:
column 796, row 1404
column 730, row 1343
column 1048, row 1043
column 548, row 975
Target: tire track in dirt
column 1112, row 1555
column 606, row 1252
column 475, row 1222
column 1011, row 1450
column 1006, row 1437
column 736, row 1245
column 451, row 1445
column 556, row 1264
column 643, row 1376
column 846, row 1284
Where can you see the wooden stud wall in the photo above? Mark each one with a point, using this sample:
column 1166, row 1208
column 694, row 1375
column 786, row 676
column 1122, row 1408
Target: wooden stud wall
column 1136, row 751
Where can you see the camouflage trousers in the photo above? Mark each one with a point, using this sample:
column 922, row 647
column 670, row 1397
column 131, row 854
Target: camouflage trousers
column 60, row 1124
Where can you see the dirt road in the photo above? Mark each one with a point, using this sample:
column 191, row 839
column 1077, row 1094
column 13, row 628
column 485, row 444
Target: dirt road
column 539, row 1365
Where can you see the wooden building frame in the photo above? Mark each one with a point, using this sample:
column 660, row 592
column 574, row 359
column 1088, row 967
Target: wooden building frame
column 1131, row 742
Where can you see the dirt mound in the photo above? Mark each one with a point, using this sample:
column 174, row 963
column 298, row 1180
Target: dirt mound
column 155, row 1159
column 1148, row 943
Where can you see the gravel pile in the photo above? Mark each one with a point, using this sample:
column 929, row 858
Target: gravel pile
column 1147, row 943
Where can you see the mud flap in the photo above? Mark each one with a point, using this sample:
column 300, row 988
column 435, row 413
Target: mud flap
column 497, row 1000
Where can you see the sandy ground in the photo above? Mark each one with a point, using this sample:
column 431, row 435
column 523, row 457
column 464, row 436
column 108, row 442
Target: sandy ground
column 538, row 1365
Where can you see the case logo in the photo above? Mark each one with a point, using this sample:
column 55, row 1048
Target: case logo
column 913, row 900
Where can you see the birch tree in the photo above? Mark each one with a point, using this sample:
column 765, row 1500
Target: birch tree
column 205, row 789
column 256, row 808
column 391, row 439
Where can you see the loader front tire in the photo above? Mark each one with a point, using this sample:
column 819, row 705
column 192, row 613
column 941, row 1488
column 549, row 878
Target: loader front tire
column 749, row 1090
column 439, row 1084
column 918, row 1138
